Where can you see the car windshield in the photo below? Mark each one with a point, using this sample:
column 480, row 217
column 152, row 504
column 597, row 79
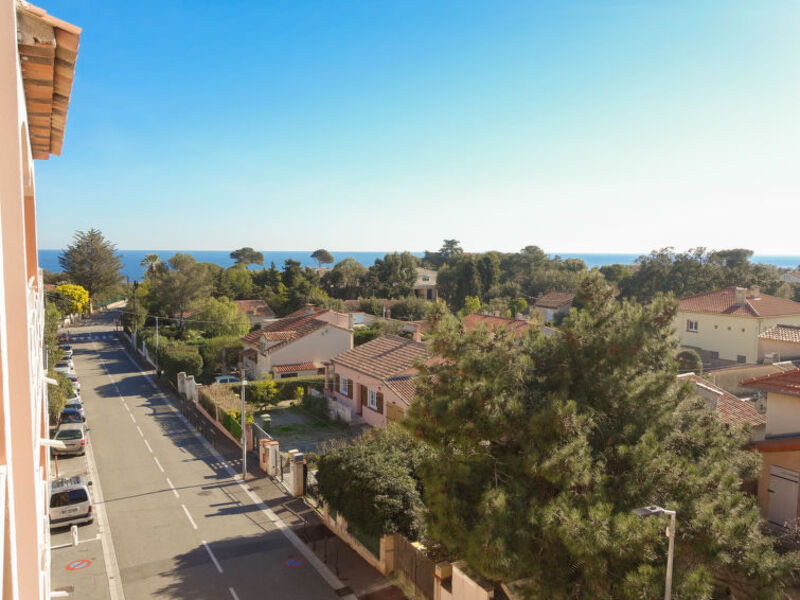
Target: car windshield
column 70, row 417
column 74, row 406
column 68, row 497
column 69, row 434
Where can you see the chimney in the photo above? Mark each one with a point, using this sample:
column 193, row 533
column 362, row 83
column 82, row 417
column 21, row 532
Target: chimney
column 309, row 309
column 417, row 335
column 740, row 296
column 755, row 292
column 521, row 317
column 351, row 321
column 496, row 313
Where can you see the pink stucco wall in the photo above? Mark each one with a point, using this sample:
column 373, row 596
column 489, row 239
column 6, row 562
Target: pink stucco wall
column 370, row 416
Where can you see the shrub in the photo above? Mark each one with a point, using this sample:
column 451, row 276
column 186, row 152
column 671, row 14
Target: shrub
column 689, row 360
column 362, row 336
column 212, row 351
column 180, row 357
column 262, row 392
column 317, row 406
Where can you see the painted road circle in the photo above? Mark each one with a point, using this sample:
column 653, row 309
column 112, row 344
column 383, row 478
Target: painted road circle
column 293, row 563
column 78, row 564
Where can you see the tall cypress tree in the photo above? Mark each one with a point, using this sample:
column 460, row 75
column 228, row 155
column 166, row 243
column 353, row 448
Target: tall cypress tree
column 91, row 262
column 544, row 447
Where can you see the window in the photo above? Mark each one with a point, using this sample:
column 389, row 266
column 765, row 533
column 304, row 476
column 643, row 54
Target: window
column 714, row 354
column 343, row 385
column 741, row 358
column 691, row 325
column 372, row 399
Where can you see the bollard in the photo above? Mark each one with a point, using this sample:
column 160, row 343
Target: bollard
column 74, row 531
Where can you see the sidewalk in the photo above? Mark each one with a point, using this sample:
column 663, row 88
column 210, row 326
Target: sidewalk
column 361, row 578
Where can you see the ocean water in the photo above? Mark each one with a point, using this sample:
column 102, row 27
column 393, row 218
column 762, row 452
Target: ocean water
column 131, row 259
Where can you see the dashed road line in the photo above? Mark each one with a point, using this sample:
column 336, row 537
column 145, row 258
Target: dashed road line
column 139, row 429
column 130, row 414
column 188, row 516
column 158, row 464
column 172, row 487
column 148, row 447
column 211, row 554
column 234, row 595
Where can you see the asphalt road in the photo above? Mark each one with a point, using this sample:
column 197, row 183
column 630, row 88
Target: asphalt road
column 181, row 526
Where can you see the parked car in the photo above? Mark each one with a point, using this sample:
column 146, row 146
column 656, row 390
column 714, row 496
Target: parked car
column 74, row 437
column 76, row 384
column 75, row 405
column 67, row 350
column 64, row 366
column 71, row 415
column 76, row 396
column 70, row 502
column 226, row 379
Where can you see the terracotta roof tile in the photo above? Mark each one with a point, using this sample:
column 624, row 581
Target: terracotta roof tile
column 296, row 325
column 782, row 333
column 291, row 368
column 554, row 299
column 787, row 382
column 383, row 357
column 724, row 302
column 256, row 308
column 519, row 327
column 403, row 385
column 730, row 409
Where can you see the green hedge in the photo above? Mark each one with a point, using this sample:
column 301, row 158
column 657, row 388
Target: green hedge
column 176, row 358
column 230, row 421
column 286, row 388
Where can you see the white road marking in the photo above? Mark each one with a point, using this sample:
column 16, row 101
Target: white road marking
column 233, row 593
column 115, row 590
column 132, row 417
column 158, row 464
column 172, row 487
column 148, row 447
column 213, row 558
column 331, row 579
column 188, row 516
column 139, row 429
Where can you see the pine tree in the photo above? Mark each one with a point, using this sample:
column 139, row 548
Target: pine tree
column 544, row 447
column 91, row 262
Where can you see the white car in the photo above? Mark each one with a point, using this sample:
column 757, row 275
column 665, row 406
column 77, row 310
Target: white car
column 70, row 502
column 76, row 385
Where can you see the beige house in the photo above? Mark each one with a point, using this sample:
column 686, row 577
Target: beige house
column 553, row 305
column 727, row 323
column 373, row 382
column 425, row 285
column 37, row 63
column 297, row 345
column 779, row 343
column 779, row 480
column 791, row 277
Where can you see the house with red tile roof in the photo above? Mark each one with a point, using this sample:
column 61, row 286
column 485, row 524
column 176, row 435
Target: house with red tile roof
column 729, row 409
column 779, row 479
column 553, row 305
column 727, row 323
column 494, row 322
column 778, row 343
column 256, row 311
column 297, row 345
column 374, row 383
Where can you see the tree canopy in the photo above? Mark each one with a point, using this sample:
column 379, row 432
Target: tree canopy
column 221, row 317
column 542, row 447
column 373, row 482
column 91, row 262
column 322, row 256
column 247, row 256
column 71, row 299
column 180, row 286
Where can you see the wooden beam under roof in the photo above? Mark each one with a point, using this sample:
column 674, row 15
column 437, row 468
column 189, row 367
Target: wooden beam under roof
column 48, row 49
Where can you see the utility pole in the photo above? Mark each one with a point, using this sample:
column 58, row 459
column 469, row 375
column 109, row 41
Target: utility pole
column 156, row 357
column 244, row 432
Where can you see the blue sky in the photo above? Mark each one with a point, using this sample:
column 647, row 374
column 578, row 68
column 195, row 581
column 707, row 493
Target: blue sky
column 379, row 125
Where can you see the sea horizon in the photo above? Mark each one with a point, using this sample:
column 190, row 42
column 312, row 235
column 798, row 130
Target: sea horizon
column 132, row 269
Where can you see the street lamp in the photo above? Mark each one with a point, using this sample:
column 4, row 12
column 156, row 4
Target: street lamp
column 649, row 511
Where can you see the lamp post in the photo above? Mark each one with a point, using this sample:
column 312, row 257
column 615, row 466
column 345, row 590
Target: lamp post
column 244, row 430
column 649, row 511
column 135, row 314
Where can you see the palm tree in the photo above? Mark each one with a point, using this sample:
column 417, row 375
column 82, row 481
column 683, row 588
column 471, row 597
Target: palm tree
column 152, row 265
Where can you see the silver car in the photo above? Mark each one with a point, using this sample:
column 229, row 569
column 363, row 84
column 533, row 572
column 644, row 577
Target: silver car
column 74, row 437
column 70, row 502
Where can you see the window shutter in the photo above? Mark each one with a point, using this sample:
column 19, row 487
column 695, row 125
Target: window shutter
column 336, row 387
column 380, row 402
column 364, row 395
column 350, row 384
